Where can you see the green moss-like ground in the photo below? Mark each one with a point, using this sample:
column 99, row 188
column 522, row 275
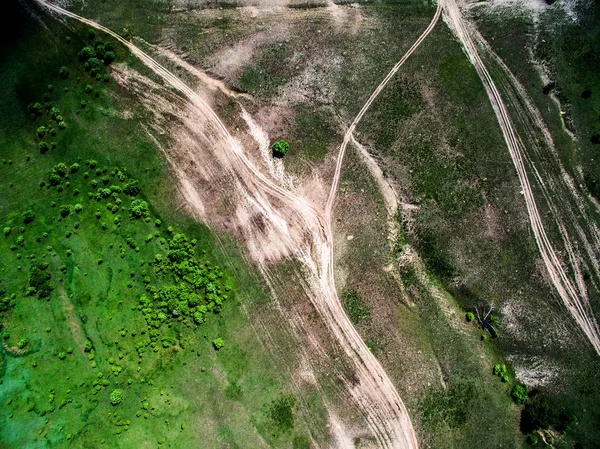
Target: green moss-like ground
column 83, row 328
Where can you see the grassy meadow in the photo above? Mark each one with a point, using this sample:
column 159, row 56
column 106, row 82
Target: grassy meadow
column 123, row 322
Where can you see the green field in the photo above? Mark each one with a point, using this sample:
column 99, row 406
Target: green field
column 127, row 323
column 123, row 322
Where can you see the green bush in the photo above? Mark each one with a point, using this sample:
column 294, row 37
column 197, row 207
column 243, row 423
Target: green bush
column 218, row 343
column 132, row 188
column 28, row 216
column 139, row 209
column 280, row 148
column 61, row 169
column 520, row 394
column 36, row 109
column 65, row 210
column 64, row 72
column 499, row 370
column 44, row 147
column 6, row 231
column 469, row 316
column 116, row 397
column 41, row 131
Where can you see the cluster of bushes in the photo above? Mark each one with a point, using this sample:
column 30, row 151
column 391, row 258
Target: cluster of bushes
column 7, row 302
column 538, row 413
column 95, row 56
column 196, row 288
column 39, row 280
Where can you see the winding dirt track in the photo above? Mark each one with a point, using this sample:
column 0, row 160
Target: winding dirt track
column 374, row 392
column 575, row 301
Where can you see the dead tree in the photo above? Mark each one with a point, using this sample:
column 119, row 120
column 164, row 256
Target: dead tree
column 486, row 322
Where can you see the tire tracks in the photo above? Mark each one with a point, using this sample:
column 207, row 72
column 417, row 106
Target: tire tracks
column 375, row 394
column 573, row 298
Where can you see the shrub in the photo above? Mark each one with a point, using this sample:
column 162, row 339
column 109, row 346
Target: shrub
column 280, row 148
column 41, row 131
column 62, row 355
column 65, row 210
column 22, row 343
column 132, row 188
column 520, row 394
column 78, row 208
column 6, row 231
column 470, row 317
column 139, row 209
column 91, row 33
column 218, row 343
column 61, row 169
column 62, row 125
column 44, row 147
column 64, row 72
column 54, row 179
column 28, row 216
column 36, row 109
column 499, row 370
column 88, row 89
column 116, row 397
column 83, row 104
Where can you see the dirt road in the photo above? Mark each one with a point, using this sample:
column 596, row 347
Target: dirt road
column 374, row 392
column 573, row 297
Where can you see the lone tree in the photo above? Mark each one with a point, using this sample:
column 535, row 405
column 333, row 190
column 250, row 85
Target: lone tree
column 280, row 148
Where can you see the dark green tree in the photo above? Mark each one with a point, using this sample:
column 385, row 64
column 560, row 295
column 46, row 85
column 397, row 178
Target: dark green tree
column 86, row 53
column 109, row 57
